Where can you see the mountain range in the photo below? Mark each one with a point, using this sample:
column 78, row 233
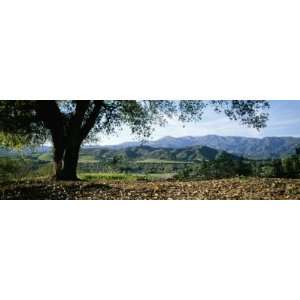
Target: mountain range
column 256, row 148
column 262, row 148
column 147, row 154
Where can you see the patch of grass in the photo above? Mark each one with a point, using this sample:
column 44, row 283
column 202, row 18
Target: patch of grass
column 112, row 176
column 161, row 161
column 82, row 158
column 160, row 176
column 87, row 158
column 46, row 157
column 126, row 177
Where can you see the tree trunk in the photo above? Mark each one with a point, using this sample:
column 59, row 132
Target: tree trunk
column 58, row 167
column 69, row 171
column 68, row 132
column 58, row 155
column 66, row 155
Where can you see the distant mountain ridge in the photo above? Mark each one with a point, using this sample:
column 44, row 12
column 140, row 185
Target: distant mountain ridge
column 264, row 148
column 268, row 147
column 144, row 153
column 12, row 152
column 141, row 153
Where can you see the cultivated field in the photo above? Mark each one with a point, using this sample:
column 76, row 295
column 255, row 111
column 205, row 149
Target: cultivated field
column 111, row 188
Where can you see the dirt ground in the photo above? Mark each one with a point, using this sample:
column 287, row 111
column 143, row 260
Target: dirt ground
column 157, row 190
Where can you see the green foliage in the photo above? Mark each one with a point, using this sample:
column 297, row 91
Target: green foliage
column 46, row 157
column 42, row 170
column 28, row 122
column 87, row 158
column 16, row 141
column 19, row 126
column 291, row 166
column 8, row 168
column 160, row 161
column 15, row 169
column 71, row 123
column 277, row 168
column 225, row 166
column 252, row 113
column 189, row 163
column 150, row 154
column 113, row 176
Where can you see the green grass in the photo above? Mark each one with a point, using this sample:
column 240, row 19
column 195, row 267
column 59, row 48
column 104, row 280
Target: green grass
column 46, row 157
column 82, row 158
column 111, row 176
column 123, row 176
column 161, row 161
column 160, row 176
column 87, row 159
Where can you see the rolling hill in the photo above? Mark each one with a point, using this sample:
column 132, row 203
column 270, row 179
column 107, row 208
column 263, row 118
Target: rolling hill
column 147, row 153
column 171, row 148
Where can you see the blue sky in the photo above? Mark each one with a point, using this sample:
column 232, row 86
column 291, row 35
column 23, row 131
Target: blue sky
column 284, row 120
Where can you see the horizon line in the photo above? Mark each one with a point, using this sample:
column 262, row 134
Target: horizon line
column 194, row 136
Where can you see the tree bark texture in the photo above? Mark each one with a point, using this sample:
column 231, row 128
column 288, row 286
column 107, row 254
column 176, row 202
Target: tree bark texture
column 67, row 133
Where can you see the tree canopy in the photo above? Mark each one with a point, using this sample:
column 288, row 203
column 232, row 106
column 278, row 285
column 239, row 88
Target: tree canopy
column 69, row 123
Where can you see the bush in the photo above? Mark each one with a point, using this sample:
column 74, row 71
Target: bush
column 22, row 168
column 13, row 168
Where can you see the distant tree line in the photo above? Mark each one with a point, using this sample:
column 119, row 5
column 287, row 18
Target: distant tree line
column 22, row 168
column 224, row 166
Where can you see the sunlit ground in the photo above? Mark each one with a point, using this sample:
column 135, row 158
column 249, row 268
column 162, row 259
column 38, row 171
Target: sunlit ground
column 145, row 188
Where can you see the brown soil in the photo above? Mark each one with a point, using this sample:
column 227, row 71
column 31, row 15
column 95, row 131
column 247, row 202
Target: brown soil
column 165, row 190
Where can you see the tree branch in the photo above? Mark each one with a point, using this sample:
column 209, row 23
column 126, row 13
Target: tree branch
column 81, row 108
column 49, row 113
column 90, row 122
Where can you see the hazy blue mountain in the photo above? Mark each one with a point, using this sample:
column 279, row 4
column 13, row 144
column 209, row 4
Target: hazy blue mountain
column 269, row 147
column 27, row 151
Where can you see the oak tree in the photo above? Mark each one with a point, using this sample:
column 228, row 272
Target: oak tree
column 68, row 124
